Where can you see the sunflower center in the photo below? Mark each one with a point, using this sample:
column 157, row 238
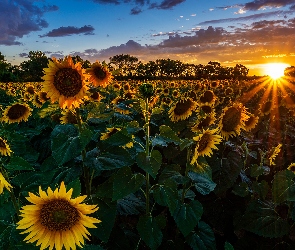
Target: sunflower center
column 99, row 73
column 207, row 109
column 249, row 121
column 59, row 215
column 292, row 168
column 204, row 123
column 68, row 82
column 183, row 106
column 231, row 119
column 203, row 143
column 95, row 95
column 2, row 144
column 207, row 96
column 16, row 111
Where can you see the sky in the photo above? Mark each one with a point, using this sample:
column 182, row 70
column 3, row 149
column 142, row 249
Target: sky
column 230, row 32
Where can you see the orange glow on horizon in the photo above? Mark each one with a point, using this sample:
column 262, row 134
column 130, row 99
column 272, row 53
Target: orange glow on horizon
column 275, row 70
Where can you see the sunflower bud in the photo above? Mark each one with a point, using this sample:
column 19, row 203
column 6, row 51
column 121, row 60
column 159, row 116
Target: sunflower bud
column 146, row 90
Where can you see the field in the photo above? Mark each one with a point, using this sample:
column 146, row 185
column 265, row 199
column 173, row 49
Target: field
column 178, row 164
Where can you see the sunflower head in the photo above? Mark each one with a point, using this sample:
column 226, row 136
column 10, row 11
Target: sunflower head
column 232, row 120
column 4, row 184
column 17, row 112
column 208, row 97
column 206, row 141
column 65, row 82
column 251, row 122
column 55, row 219
column 291, row 167
column 4, row 147
column 146, row 90
column 182, row 109
column 99, row 75
column 68, row 117
column 204, row 123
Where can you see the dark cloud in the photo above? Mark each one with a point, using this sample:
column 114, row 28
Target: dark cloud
column 19, row 18
column 248, row 18
column 23, row 54
column 70, row 30
column 260, row 4
column 164, row 4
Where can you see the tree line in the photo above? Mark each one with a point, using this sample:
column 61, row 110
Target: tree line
column 124, row 67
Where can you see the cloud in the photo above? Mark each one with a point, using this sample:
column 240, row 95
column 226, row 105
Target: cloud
column 19, row 18
column 166, row 4
column 261, row 4
column 70, row 30
column 247, row 18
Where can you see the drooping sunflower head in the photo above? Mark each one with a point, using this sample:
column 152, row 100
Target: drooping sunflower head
column 43, row 96
column 17, row 112
column 55, row 219
column 4, row 147
column 251, row 122
column 204, row 122
column 232, row 120
column 266, row 107
column 206, row 141
column 65, row 82
column 68, row 117
column 182, row 109
column 4, row 184
column 36, row 101
column 99, row 75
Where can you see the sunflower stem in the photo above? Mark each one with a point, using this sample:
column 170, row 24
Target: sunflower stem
column 188, row 156
column 147, row 153
column 86, row 170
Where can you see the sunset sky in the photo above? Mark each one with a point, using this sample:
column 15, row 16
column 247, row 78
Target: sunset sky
column 231, row 32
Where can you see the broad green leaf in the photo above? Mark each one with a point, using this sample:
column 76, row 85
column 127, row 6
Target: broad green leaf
column 105, row 190
column 185, row 143
column 257, row 170
column 76, row 185
column 125, row 182
column 228, row 246
column 150, row 231
column 93, row 247
column 241, row 189
column 167, row 195
column 172, row 171
column 130, row 205
column 118, row 157
column 150, row 164
column 283, row 186
column 85, row 137
column 225, row 171
column 187, row 216
column 120, row 138
column 262, row 219
column 18, row 163
column 261, row 188
column 65, row 143
column 107, row 214
column 202, row 183
column 202, row 238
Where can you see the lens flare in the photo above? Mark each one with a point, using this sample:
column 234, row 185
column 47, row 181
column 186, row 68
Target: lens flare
column 275, row 70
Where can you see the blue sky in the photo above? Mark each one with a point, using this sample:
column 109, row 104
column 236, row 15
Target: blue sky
column 235, row 31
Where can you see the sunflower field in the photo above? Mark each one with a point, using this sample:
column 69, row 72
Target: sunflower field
column 91, row 162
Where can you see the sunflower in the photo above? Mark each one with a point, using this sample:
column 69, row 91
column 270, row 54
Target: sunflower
column 251, row 122
column 291, row 167
column 182, row 109
column 208, row 97
column 99, row 75
column 204, row 122
column 36, row 101
column 206, row 108
column 232, row 120
column 4, row 147
column 116, row 86
column 4, row 184
column 206, row 141
column 118, row 100
column 65, row 82
column 126, row 87
column 30, row 89
column 55, row 219
column 266, row 107
column 276, row 150
column 166, row 101
column 43, row 96
column 68, row 117
column 94, row 96
column 17, row 112
column 109, row 133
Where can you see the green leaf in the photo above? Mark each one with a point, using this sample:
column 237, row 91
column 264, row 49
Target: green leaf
column 125, row 182
column 167, row 135
column 185, row 143
column 18, row 163
column 150, row 231
column 76, row 185
column 262, row 219
column 228, row 246
column 257, row 170
column 203, row 238
column 85, row 137
column 261, row 188
column 202, row 183
column 117, row 158
column 130, row 205
column 120, row 138
column 283, row 186
column 241, row 189
column 187, row 216
column 65, row 143
column 225, row 171
column 172, row 171
column 166, row 195
column 107, row 214
column 150, row 164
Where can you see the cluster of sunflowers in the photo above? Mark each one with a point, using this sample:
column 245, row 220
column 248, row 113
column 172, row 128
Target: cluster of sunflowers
column 213, row 113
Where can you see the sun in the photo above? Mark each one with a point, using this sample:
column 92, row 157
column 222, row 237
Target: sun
column 275, row 70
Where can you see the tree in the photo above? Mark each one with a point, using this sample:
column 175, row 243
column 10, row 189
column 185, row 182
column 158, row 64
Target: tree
column 32, row 70
column 290, row 71
column 125, row 64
